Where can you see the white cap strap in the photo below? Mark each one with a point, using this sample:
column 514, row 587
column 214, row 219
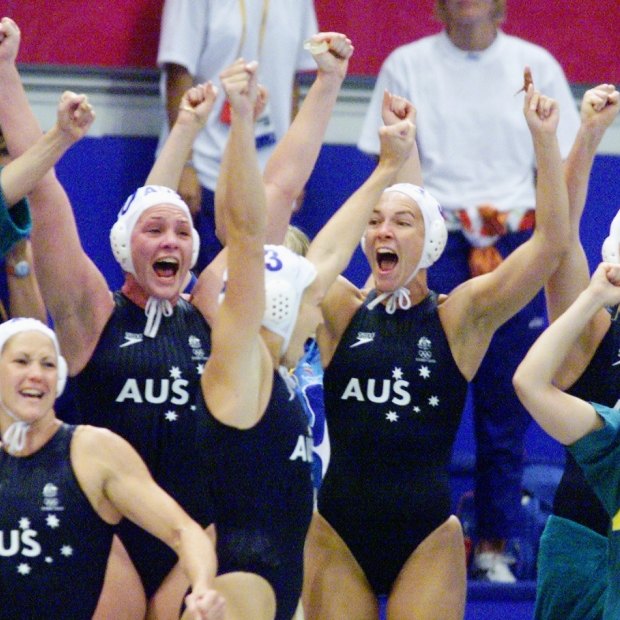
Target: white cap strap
column 154, row 310
column 15, row 436
column 400, row 298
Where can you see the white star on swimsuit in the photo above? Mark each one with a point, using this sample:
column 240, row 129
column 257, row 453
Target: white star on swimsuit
column 433, row 401
column 24, row 569
column 52, row 521
column 24, row 523
column 200, row 368
column 175, row 372
column 391, row 416
column 416, row 409
column 424, row 371
column 66, row 550
column 171, row 416
column 397, row 373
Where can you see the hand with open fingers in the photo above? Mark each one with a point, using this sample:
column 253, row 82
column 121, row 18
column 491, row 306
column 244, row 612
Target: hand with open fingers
column 541, row 112
column 396, row 142
column 331, row 51
column 395, row 108
column 206, row 605
column 198, row 102
column 10, row 37
column 600, row 105
column 75, row 115
column 240, row 82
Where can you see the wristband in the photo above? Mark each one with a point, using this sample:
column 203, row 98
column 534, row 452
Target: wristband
column 19, row 270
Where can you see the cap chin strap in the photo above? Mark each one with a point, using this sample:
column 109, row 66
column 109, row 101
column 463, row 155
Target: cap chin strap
column 400, row 298
column 14, row 437
column 154, row 310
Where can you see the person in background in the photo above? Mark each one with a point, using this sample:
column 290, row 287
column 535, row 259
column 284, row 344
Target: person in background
column 478, row 162
column 117, row 386
column 589, row 430
column 309, row 378
column 64, row 487
column 19, row 290
column 257, row 445
column 572, row 558
column 397, row 363
column 199, row 38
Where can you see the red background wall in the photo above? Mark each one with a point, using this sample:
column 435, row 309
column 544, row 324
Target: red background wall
column 583, row 35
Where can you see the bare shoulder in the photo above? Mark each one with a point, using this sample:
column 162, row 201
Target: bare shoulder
column 100, row 444
column 95, row 457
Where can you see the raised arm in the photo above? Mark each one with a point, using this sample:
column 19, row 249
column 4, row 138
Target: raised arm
column 295, row 156
column 232, row 377
column 565, row 417
column 331, row 249
column 21, row 175
column 599, row 108
column 480, row 305
column 75, row 292
column 393, row 110
column 178, row 82
column 291, row 164
column 193, row 112
column 118, row 484
column 24, row 294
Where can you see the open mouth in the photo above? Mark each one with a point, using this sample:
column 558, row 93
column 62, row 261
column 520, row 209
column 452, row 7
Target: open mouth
column 386, row 260
column 166, row 267
column 31, row 393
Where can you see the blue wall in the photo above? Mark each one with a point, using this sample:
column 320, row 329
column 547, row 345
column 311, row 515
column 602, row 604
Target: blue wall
column 99, row 173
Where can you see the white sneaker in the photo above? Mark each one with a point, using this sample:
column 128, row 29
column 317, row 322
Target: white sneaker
column 494, row 567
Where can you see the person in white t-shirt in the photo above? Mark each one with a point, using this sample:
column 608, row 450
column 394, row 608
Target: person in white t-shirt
column 199, row 38
column 478, row 161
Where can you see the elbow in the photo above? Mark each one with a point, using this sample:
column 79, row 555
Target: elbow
column 517, row 382
column 521, row 384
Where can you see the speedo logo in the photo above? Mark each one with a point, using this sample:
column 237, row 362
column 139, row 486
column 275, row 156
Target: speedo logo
column 363, row 338
column 131, row 338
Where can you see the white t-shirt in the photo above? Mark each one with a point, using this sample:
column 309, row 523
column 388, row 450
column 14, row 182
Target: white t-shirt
column 204, row 36
column 473, row 139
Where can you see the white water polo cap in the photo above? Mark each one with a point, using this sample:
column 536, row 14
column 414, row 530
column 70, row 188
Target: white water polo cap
column 610, row 249
column 12, row 327
column 435, row 231
column 435, row 238
column 287, row 275
column 142, row 199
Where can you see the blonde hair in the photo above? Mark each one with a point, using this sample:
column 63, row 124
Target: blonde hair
column 499, row 14
column 296, row 240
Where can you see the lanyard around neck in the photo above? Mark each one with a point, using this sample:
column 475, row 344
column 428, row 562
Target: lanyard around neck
column 244, row 26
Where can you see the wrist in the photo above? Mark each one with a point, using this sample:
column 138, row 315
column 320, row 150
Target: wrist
column 60, row 139
column 194, row 115
column 19, row 270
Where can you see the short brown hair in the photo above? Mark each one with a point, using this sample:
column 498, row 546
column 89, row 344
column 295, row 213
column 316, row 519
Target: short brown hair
column 499, row 14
